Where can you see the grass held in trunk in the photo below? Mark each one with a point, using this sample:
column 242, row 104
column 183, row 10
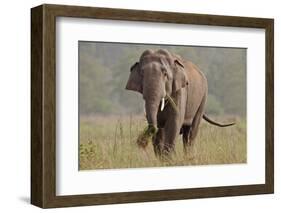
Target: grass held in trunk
column 146, row 136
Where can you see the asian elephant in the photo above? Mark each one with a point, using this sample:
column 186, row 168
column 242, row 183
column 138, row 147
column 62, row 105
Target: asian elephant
column 175, row 93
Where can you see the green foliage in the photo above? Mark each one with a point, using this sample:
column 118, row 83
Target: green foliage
column 146, row 136
column 93, row 89
column 214, row 106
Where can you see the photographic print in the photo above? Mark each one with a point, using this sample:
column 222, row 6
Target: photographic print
column 155, row 101
column 149, row 105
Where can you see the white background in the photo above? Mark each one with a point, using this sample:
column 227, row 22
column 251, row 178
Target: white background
column 15, row 105
column 71, row 181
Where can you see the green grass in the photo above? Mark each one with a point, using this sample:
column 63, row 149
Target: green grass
column 110, row 142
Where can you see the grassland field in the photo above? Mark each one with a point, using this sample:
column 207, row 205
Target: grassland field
column 110, row 143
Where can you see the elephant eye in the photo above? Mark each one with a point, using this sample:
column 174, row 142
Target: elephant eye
column 141, row 71
column 165, row 73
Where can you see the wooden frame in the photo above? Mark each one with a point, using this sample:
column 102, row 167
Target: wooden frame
column 43, row 105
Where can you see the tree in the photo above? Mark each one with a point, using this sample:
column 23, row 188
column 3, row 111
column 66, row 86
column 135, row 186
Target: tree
column 93, row 79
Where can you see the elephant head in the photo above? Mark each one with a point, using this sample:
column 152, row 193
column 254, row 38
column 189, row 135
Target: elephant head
column 157, row 75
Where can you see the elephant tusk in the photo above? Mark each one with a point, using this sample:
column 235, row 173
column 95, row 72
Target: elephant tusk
column 162, row 104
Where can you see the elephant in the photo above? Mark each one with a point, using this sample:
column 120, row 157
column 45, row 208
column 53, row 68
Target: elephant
column 175, row 93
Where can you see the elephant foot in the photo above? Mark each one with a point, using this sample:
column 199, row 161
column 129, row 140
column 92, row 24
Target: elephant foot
column 164, row 153
column 158, row 142
column 168, row 153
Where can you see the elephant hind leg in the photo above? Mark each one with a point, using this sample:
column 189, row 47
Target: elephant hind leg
column 197, row 119
column 185, row 137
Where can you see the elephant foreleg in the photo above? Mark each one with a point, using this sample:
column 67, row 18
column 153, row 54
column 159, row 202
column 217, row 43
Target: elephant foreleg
column 171, row 130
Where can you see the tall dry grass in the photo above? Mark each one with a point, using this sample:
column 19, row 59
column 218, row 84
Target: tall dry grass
column 110, row 142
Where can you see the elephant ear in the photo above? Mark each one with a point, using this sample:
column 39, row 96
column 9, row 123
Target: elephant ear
column 180, row 79
column 135, row 79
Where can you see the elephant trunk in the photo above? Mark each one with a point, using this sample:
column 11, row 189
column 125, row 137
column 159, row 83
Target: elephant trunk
column 151, row 108
column 153, row 94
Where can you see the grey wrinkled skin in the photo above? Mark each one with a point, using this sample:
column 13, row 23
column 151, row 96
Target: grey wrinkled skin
column 159, row 74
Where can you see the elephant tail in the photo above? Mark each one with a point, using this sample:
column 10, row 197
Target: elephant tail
column 206, row 118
